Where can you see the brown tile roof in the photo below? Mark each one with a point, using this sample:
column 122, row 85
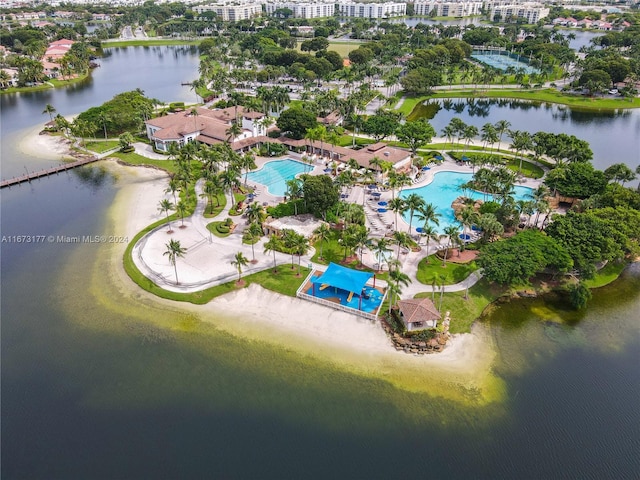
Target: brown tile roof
column 212, row 125
column 418, row 310
column 247, row 142
column 252, row 115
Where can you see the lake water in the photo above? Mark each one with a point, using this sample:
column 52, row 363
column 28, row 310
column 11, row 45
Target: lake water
column 99, row 381
column 614, row 136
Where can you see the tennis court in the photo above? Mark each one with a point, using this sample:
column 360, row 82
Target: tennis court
column 502, row 61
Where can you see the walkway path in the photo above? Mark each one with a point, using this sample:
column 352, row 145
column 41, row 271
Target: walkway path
column 207, row 262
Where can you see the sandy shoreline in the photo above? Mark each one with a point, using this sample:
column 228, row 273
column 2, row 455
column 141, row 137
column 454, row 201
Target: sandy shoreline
column 257, row 314
column 53, row 147
column 260, row 313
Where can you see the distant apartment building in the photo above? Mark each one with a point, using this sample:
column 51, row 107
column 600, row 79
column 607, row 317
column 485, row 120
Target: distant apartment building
column 529, row 12
column 447, row 9
column 303, row 9
column 231, row 12
column 372, row 10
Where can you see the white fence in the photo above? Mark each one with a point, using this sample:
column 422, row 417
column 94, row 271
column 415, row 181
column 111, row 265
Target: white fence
column 328, row 303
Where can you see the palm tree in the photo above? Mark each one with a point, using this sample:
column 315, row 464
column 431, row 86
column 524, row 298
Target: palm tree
column 397, row 278
column 450, row 233
column 247, row 163
column 181, row 208
column 430, row 233
column 468, row 216
column 402, row 239
column 427, row 213
column 274, row 244
column 174, row 250
column 489, row 134
column 289, row 238
column 469, row 133
column 301, row 247
column 233, row 132
column 103, row 118
column 449, row 133
column 501, row 127
column 313, row 135
column 50, row 109
column 333, row 137
column 255, row 213
column 361, row 240
column 437, row 280
column 381, row 248
column 229, row 181
column 194, row 113
column 165, row 207
column 413, row 202
column 294, row 192
column 397, row 205
column 239, row 261
column 252, row 234
column 322, row 234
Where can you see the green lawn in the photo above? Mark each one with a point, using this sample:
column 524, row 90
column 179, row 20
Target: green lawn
column 213, row 228
column 606, row 275
column 546, row 95
column 102, row 146
column 342, row 48
column 528, row 169
column 135, row 159
column 451, row 273
column 465, row 312
column 332, row 251
column 215, row 208
column 347, row 141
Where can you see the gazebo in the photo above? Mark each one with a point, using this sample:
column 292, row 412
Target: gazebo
column 418, row 313
column 344, row 278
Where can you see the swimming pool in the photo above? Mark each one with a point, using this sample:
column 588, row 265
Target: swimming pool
column 369, row 305
column 502, row 61
column 444, row 189
column 274, row 175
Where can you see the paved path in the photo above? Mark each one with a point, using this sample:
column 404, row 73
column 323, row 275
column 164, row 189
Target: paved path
column 207, row 262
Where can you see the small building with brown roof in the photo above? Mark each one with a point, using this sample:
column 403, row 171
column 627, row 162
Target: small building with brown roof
column 418, row 313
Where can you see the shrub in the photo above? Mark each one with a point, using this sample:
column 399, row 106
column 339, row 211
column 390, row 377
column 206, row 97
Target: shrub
column 489, row 207
column 228, row 222
column 422, row 335
column 287, row 209
column 222, row 228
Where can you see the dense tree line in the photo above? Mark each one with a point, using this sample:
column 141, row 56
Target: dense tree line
column 125, row 112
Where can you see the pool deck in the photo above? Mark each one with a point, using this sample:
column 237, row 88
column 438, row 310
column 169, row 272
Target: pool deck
column 262, row 194
column 207, row 262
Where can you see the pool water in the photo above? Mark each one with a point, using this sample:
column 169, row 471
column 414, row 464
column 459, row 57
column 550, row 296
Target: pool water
column 275, row 174
column 503, row 61
column 444, row 189
column 369, row 305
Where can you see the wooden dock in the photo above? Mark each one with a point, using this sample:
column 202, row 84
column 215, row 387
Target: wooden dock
column 27, row 177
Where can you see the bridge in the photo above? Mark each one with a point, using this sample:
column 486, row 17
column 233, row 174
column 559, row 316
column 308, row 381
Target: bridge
column 27, row 177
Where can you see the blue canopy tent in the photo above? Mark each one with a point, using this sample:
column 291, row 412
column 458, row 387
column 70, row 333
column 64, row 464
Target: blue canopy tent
column 343, row 278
